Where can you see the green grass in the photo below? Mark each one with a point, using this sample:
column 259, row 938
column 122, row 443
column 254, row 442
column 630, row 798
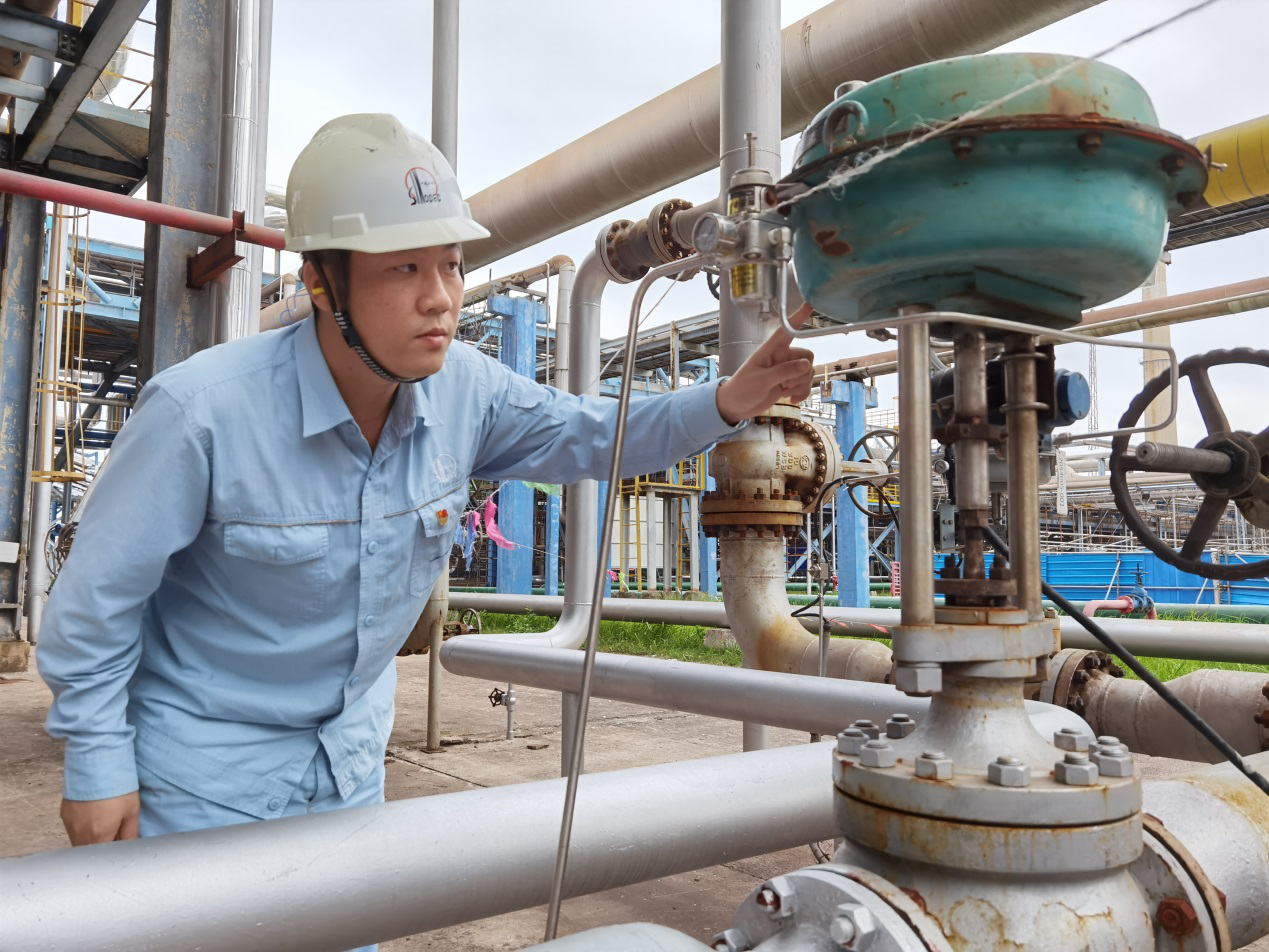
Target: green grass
column 687, row 643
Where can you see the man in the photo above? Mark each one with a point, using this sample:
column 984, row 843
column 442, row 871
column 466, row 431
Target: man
column 220, row 642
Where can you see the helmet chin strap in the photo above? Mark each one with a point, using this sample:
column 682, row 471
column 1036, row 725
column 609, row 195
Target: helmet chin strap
column 343, row 320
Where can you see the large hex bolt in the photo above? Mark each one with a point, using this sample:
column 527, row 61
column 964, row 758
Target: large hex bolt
column 899, row 725
column 868, row 727
column 852, row 927
column 1070, row 738
column 1112, row 760
column 1008, row 771
column 776, row 897
column 1075, row 769
column 878, row 753
column 851, row 741
column 934, row 765
column 918, row 678
column 1102, row 741
column 733, row 940
column 1177, row 917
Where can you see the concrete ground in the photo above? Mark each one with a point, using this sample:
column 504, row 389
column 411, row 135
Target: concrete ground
column 475, row 754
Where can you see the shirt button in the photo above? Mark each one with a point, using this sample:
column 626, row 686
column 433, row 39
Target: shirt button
column 372, row 548
column 352, row 682
column 369, row 621
column 275, row 804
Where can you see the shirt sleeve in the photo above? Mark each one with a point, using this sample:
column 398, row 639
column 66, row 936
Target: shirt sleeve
column 537, row 432
column 148, row 501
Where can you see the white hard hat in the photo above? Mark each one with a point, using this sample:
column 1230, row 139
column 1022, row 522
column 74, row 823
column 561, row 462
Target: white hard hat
column 367, row 183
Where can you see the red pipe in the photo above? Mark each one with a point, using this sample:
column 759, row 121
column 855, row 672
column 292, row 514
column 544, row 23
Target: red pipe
column 154, row 213
column 1123, row 605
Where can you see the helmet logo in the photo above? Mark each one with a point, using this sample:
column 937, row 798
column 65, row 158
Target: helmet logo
column 420, row 185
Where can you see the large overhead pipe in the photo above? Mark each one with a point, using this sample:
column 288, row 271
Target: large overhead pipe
column 814, row 705
column 676, row 136
column 154, row 213
column 1237, row 298
column 346, row 878
column 1194, row 640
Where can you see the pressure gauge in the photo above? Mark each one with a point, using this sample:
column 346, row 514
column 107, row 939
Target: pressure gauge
column 715, row 235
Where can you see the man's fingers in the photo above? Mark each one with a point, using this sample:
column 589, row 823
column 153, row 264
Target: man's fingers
column 800, row 316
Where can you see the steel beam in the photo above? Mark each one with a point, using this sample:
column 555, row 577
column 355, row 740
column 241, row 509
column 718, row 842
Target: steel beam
column 99, row 39
column 35, row 35
column 19, row 298
column 176, row 321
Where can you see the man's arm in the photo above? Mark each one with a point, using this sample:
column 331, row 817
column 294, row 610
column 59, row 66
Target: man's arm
column 540, row 433
column 148, row 502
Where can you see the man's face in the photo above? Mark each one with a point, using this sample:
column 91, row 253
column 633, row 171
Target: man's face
column 405, row 305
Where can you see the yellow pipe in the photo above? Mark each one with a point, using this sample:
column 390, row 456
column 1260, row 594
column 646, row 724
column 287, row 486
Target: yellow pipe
column 1244, row 150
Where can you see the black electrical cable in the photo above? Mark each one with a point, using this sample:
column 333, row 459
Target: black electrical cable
column 1141, row 671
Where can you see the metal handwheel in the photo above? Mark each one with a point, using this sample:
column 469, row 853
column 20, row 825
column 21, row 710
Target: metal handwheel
column 1226, row 465
column 882, row 445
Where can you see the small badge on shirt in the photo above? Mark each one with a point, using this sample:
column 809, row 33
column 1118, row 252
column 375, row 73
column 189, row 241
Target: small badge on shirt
column 442, row 516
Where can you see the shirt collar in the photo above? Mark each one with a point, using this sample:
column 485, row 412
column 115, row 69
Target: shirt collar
column 321, row 403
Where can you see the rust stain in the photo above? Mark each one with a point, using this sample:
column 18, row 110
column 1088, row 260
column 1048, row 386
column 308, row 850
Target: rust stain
column 831, row 244
column 889, row 105
column 956, row 96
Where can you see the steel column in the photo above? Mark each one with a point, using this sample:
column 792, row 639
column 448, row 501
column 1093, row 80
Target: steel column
column 520, row 316
column 185, row 121
column 23, row 238
column 852, row 398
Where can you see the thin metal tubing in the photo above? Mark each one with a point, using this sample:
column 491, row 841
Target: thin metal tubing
column 914, row 473
column 999, row 324
column 601, row 574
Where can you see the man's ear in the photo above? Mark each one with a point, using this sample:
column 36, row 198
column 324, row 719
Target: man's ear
column 316, row 288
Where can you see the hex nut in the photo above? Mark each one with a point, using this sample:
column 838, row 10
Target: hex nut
column 934, row 765
column 918, row 678
column 1102, row 741
column 853, row 926
column 868, row 727
column 1008, row 771
column 1070, row 738
column 1113, row 760
column 733, row 940
column 900, row 725
column 1177, row 917
column 1076, row 770
column 776, row 897
column 851, row 741
column 878, row 753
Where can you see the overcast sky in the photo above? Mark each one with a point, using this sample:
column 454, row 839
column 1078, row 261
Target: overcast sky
column 537, row 74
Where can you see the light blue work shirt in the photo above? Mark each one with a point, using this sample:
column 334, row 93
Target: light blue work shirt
column 246, row 568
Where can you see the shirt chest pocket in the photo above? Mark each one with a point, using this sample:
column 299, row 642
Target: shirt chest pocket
column 436, row 525
column 289, row 562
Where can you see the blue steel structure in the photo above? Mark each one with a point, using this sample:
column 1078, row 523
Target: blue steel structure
column 852, row 399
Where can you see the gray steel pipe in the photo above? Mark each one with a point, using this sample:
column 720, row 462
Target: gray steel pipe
column 1195, row 640
column 631, row 937
column 793, row 701
column 1223, row 820
column 676, row 135
column 445, row 79
column 337, row 880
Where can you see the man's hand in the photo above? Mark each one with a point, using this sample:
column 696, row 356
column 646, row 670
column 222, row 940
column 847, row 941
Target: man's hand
column 101, row 821
column 773, row 371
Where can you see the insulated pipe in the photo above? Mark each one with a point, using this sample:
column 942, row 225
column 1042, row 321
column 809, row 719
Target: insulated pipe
column 1223, row 821
column 760, row 617
column 676, row 136
column 521, row 279
column 1237, row 298
column 346, row 878
column 445, row 79
column 814, row 705
column 154, row 213
column 1228, row 700
column 581, row 499
column 236, row 296
column 1195, row 640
